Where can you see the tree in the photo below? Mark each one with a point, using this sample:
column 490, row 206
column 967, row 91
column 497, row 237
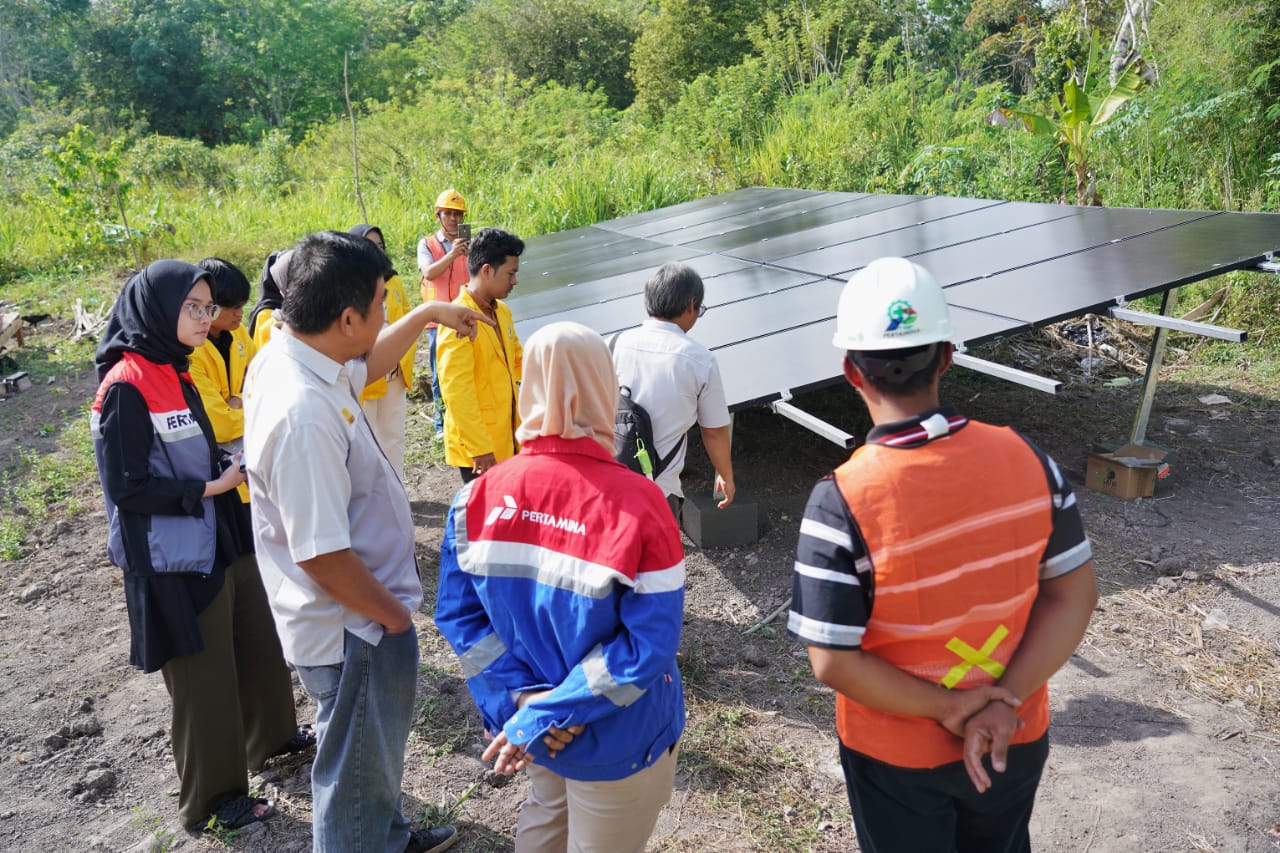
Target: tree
column 1009, row 31
column 686, row 38
column 803, row 42
column 284, row 58
column 1076, row 116
column 37, row 43
column 582, row 44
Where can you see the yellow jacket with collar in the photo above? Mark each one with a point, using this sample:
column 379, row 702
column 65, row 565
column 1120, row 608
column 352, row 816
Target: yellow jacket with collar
column 209, row 373
column 480, row 381
column 397, row 306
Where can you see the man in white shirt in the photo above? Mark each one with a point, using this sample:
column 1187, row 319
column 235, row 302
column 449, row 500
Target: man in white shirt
column 676, row 380
column 335, row 537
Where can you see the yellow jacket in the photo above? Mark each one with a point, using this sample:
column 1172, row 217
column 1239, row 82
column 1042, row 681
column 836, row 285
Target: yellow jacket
column 480, row 381
column 263, row 328
column 397, row 306
column 209, row 373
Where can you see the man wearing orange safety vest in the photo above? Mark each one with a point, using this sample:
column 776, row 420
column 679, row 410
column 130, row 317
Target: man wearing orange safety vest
column 942, row 575
column 442, row 260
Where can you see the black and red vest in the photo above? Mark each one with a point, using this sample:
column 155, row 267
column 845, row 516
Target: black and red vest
column 179, row 451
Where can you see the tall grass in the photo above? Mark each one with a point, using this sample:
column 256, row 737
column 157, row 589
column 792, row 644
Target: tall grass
column 536, row 159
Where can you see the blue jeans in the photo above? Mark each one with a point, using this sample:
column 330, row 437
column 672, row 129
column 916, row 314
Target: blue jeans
column 364, row 709
column 435, row 380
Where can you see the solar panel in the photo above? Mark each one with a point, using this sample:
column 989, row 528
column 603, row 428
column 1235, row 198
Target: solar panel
column 723, row 207
column 774, row 261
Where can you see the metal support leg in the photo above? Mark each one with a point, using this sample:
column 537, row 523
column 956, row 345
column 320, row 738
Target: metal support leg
column 1168, row 304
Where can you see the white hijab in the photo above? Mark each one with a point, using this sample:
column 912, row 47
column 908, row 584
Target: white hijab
column 569, row 388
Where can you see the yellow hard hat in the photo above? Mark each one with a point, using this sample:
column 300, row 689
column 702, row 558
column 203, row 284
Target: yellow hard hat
column 451, row 199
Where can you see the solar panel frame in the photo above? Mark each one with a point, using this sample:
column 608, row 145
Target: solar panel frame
column 774, row 261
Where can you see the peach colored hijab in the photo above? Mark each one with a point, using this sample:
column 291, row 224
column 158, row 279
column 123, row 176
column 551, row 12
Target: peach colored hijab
column 569, row 388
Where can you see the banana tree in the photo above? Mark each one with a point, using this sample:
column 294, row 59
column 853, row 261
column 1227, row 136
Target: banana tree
column 1076, row 116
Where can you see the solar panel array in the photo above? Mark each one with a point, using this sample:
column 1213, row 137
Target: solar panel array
column 774, row 261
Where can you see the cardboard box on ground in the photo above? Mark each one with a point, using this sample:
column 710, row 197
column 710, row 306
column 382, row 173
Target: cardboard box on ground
column 1129, row 471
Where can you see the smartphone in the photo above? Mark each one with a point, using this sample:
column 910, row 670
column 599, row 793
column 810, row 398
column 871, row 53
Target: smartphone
column 464, row 230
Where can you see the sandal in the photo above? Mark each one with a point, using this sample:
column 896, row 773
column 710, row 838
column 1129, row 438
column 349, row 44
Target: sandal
column 237, row 812
column 303, row 739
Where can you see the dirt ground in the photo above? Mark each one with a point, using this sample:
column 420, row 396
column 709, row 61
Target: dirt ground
column 1166, row 730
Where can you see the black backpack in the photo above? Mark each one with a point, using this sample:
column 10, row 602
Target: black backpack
column 633, row 438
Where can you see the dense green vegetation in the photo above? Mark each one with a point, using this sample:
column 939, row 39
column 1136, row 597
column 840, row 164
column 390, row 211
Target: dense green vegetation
column 134, row 129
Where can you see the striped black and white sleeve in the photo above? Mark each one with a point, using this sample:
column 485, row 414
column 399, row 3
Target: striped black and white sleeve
column 1068, row 547
column 831, row 582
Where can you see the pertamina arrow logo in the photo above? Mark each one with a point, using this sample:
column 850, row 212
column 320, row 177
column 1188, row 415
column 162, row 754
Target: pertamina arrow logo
column 504, row 512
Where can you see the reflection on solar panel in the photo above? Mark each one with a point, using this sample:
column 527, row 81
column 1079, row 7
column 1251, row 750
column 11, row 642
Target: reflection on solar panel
column 774, row 261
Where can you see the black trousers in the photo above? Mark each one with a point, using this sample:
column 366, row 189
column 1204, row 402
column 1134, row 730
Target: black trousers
column 902, row 810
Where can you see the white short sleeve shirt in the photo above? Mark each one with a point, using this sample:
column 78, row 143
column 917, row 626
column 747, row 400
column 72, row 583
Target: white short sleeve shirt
column 677, row 380
column 319, row 483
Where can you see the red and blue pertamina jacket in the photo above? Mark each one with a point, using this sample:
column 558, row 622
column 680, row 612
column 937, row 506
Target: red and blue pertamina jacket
column 562, row 570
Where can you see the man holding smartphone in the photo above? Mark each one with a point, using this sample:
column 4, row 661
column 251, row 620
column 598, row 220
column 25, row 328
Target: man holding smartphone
column 442, row 260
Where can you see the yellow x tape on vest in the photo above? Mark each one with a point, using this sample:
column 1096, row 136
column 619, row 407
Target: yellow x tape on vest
column 972, row 657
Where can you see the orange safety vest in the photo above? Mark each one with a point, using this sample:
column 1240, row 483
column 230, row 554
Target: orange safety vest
column 955, row 530
column 447, row 286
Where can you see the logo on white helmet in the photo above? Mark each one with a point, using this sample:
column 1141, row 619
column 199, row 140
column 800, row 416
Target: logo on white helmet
column 902, row 317
column 504, row 511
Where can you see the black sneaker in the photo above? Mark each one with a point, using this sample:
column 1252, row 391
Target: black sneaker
column 431, row 840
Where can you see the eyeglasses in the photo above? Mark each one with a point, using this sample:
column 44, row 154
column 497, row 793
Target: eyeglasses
column 702, row 309
column 197, row 311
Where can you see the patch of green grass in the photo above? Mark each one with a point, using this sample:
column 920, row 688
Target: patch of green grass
column 443, row 722
column 445, row 813
column 37, row 487
column 12, row 532
column 165, row 838
column 56, row 358
column 56, row 292
column 765, row 784
column 421, row 445
column 717, row 751
column 1247, row 367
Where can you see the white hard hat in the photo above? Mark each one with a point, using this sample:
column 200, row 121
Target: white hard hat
column 890, row 304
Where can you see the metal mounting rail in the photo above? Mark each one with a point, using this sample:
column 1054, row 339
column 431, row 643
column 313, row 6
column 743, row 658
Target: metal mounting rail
column 1177, row 324
column 814, row 423
column 1011, row 374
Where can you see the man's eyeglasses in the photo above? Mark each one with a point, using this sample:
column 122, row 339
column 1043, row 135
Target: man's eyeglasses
column 702, row 309
column 196, row 311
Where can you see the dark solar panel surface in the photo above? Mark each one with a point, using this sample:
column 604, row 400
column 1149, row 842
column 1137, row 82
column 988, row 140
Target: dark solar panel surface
column 774, row 262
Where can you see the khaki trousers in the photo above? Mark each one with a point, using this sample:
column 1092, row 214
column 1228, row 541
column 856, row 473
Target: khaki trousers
column 233, row 702
column 386, row 419
column 593, row 817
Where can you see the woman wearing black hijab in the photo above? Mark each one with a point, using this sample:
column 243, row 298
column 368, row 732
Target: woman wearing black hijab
column 197, row 608
column 271, row 287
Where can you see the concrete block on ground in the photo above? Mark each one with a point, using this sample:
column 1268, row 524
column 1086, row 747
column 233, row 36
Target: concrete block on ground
column 711, row 527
